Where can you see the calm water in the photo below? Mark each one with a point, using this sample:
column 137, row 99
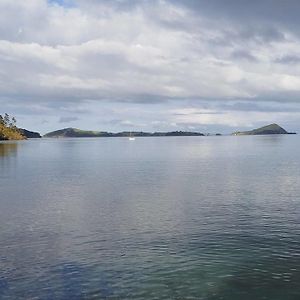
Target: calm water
column 157, row 218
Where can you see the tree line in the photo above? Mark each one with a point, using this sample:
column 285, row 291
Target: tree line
column 9, row 129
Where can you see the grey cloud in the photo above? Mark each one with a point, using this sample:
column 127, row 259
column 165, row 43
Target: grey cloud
column 67, row 119
column 122, row 5
column 200, row 113
column 261, row 34
column 279, row 97
column 257, row 107
column 125, row 124
column 243, row 55
column 288, row 59
column 284, row 13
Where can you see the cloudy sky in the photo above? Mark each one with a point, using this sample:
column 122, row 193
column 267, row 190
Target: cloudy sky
column 151, row 65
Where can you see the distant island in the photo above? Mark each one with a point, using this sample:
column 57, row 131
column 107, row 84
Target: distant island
column 265, row 130
column 74, row 132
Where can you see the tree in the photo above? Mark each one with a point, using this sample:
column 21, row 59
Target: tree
column 13, row 122
column 1, row 121
column 6, row 119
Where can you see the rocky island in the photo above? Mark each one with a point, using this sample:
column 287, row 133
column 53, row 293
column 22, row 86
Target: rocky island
column 265, row 130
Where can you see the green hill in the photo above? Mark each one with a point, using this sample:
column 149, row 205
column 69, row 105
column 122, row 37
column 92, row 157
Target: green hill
column 29, row 134
column 269, row 129
column 74, row 132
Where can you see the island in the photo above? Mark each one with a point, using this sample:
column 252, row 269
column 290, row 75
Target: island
column 74, row 132
column 265, row 130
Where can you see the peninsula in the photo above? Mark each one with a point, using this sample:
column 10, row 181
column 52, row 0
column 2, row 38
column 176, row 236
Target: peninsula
column 8, row 129
column 265, row 130
column 29, row 134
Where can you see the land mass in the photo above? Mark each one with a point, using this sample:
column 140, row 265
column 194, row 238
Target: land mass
column 7, row 134
column 8, row 129
column 74, row 132
column 29, row 134
column 265, row 130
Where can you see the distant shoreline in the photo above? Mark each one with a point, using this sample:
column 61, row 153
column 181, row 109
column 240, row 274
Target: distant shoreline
column 75, row 133
column 272, row 129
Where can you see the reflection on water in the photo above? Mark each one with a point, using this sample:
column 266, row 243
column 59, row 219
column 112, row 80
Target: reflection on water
column 158, row 218
column 8, row 149
column 8, row 157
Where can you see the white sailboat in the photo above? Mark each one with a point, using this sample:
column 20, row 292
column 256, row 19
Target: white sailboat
column 131, row 137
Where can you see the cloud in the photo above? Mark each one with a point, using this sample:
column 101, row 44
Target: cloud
column 67, row 119
column 288, row 59
column 280, row 13
column 87, row 54
column 243, row 55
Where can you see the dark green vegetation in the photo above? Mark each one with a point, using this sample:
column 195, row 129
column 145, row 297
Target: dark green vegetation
column 73, row 132
column 29, row 134
column 8, row 129
column 269, row 129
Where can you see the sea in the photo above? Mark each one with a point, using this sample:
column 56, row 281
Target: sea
column 209, row 218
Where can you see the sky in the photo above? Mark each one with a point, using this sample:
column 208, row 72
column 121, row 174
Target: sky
column 150, row 65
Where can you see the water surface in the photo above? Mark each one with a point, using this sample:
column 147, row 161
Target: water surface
column 155, row 218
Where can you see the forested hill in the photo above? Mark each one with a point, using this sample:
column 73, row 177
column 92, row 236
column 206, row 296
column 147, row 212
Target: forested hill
column 265, row 130
column 74, row 132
